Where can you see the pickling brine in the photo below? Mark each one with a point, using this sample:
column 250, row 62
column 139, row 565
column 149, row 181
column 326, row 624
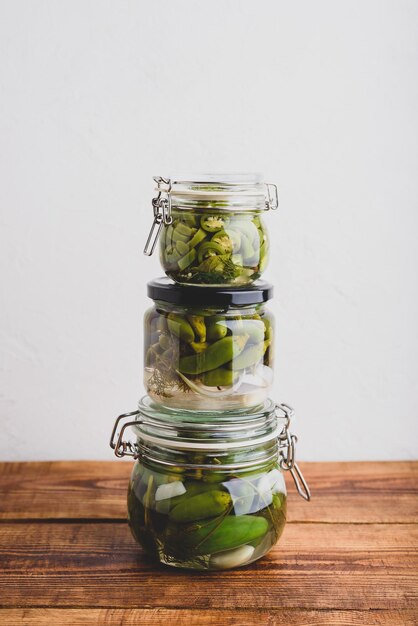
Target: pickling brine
column 208, row 356
column 210, row 519
column 212, row 247
column 204, row 493
column 211, row 228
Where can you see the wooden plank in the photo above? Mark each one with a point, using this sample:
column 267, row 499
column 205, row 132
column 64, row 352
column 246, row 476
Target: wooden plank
column 64, row 489
column 375, row 492
column 157, row 617
column 315, row 566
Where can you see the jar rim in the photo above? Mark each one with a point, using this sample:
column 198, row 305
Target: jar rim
column 234, row 191
column 175, row 429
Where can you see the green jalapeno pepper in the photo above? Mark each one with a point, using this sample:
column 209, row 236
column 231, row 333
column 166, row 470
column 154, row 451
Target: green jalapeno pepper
column 220, row 377
column 208, row 249
column 197, row 322
column 213, row 223
column 215, row 330
column 217, row 354
column 197, row 238
column 240, row 256
column 183, row 229
column 172, row 254
column 187, row 259
column 225, row 242
column 198, row 346
column 180, row 327
column 179, row 236
column 182, row 248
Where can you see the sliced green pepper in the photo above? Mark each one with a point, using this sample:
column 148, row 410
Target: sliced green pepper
column 223, row 239
column 213, row 223
column 172, row 254
column 183, row 229
column 207, row 249
column 188, row 219
column 187, row 260
column 212, row 264
column 199, row 236
column 182, row 247
column 178, row 236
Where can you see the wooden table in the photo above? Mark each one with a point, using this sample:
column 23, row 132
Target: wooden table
column 348, row 557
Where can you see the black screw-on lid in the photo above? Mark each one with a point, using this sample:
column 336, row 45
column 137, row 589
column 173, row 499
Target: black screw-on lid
column 166, row 290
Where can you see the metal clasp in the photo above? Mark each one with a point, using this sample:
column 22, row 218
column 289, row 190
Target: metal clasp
column 117, row 443
column 272, row 200
column 162, row 213
column 287, row 451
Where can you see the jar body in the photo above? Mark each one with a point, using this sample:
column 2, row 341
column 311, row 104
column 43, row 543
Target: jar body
column 208, row 359
column 207, row 519
column 207, row 246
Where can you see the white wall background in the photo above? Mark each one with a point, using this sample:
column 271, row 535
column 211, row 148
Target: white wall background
column 97, row 96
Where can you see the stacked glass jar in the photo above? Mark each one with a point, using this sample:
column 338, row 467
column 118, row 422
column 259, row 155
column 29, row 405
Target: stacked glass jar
column 207, row 489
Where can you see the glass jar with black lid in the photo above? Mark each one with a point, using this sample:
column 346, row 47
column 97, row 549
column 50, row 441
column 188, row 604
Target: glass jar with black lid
column 208, row 349
column 208, row 493
column 211, row 227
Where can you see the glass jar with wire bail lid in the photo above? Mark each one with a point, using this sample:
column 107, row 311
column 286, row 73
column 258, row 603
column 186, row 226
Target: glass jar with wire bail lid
column 211, row 228
column 208, row 349
column 208, row 494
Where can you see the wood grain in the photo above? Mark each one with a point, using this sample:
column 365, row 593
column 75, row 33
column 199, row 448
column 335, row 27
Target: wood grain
column 157, row 617
column 348, row 558
column 342, row 492
column 326, row 566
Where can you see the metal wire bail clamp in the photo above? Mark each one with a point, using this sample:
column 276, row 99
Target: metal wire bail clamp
column 162, row 214
column 287, row 444
column 124, row 448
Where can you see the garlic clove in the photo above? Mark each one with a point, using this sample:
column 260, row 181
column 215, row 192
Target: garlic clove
column 169, row 490
column 232, row 558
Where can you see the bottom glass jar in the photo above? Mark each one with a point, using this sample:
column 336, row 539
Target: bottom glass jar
column 208, row 497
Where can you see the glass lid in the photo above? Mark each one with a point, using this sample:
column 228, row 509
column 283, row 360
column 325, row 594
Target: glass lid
column 220, row 191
